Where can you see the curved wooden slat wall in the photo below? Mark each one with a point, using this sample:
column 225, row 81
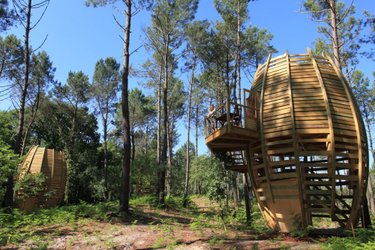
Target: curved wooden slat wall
column 52, row 164
column 312, row 158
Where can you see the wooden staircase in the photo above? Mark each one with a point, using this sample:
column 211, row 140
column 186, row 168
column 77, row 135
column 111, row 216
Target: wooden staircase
column 323, row 198
column 236, row 161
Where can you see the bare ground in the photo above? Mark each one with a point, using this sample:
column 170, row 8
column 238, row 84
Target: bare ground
column 158, row 229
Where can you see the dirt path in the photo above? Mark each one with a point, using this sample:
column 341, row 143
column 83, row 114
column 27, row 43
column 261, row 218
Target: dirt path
column 158, row 229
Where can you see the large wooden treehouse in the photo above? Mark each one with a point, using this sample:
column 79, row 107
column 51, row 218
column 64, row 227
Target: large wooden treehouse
column 300, row 137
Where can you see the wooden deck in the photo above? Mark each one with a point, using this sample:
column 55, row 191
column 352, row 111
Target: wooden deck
column 230, row 138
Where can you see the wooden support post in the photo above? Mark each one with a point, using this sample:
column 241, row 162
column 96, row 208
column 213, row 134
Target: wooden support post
column 362, row 170
column 331, row 147
column 264, row 150
column 300, row 175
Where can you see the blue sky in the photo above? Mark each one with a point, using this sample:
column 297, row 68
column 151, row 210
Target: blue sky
column 78, row 36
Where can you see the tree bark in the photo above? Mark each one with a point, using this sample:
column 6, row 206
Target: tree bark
column 169, row 161
column 335, row 40
column 125, row 183
column 9, row 193
column 247, row 199
column 105, row 162
column 32, row 119
column 238, row 50
column 369, row 193
column 158, row 132
column 25, row 85
column 187, row 168
column 161, row 189
column 196, row 129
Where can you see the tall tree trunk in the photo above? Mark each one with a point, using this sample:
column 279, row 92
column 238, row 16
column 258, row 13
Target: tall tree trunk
column 169, row 161
column 196, row 129
column 238, row 50
column 158, row 132
column 161, row 188
column 146, row 138
column 369, row 193
column 34, row 111
column 25, row 85
column 132, row 138
column 9, row 193
column 247, row 199
column 105, row 163
column 125, row 183
column 187, row 168
column 335, row 39
column 234, row 188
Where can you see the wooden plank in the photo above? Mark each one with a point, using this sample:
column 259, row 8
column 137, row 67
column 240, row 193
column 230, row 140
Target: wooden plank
column 278, row 134
column 313, row 131
column 318, row 192
column 282, row 163
column 275, row 107
column 315, row 153
column 278, row 176
column 280, row 151
column 278, row 112
column 346, row 146
column 274, row 92
column 277, row 117
column 344, row 126
column 310, row 108
column 264, row 156
column 278, row 122
column 345, row 132
column 271, row 129
column 311, row 122
column 282, row 99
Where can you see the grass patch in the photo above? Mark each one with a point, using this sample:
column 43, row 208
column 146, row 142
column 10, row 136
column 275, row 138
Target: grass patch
column 19, row 227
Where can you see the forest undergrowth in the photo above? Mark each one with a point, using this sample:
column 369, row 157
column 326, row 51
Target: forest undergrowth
column 203, row 225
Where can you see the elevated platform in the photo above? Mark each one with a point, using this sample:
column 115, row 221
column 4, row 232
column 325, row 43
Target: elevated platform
column 231, row 138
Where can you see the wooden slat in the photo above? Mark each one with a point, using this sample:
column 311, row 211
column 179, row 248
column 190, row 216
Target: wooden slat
column 296, row 150
column 264, row 156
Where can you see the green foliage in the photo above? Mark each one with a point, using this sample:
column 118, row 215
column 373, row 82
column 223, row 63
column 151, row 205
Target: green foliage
column 16, row 227
column 150, row 200
column 208, row 173
column 348, row 29
column 8, row 166
column 11, row 57
column 7, row 15
column 30, row 185
column 144, row 173
column 364, row 239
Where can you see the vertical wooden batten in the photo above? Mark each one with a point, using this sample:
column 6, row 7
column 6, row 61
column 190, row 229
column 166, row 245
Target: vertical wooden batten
column 300, row 177
column 262, row 139
column 355, row 111
column 331, row 149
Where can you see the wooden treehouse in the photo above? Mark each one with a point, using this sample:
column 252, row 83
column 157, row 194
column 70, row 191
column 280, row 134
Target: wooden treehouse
column 52, row 164
column 302, row 141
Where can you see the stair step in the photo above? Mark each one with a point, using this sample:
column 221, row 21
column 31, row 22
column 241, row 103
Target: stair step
column 318, row 183
column 319, row 210
column 321, row 215
column 320, row 202
column 318, row 192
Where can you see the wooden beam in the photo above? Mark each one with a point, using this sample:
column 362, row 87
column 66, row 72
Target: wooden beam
column 264, row 152
column 358, row 196
column 300, row 178
column 332, row 156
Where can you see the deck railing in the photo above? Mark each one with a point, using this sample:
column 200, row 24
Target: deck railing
column 234, row 114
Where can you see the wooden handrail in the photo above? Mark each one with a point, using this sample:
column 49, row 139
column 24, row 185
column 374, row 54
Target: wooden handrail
column 227, row 109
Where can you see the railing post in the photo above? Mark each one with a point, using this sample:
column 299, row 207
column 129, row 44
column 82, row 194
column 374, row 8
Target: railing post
column 205, row 126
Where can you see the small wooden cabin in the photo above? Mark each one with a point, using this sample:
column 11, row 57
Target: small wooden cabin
column 302, row 141
column 52, row 164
